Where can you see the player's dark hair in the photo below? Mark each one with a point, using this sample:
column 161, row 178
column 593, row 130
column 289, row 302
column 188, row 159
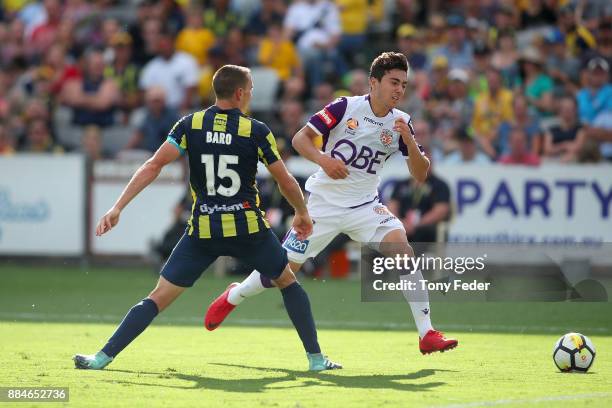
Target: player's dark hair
column 228, row 78
column 386, row 62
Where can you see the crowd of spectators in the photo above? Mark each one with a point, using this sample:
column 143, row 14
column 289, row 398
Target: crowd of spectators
column 518, row 82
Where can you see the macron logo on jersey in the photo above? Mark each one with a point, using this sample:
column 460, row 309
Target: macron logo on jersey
column 327, row 117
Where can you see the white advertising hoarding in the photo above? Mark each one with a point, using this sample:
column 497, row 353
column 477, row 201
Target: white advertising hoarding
column 553, row 203
column 146, row 218
column 42, row 204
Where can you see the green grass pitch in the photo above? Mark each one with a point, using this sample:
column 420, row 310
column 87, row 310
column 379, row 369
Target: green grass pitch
column 504, row 356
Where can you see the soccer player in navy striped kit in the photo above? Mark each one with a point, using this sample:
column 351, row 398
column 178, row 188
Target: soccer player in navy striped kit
column 223, row 147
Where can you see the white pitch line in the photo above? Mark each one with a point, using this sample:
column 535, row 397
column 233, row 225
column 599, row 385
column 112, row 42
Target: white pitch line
column 527, row 400
column 60, row 317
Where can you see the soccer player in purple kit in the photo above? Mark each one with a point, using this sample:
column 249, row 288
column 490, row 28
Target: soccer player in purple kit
column 359, row 134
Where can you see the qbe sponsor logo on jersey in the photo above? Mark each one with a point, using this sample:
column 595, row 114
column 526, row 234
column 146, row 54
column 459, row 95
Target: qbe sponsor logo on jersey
column 295, row 245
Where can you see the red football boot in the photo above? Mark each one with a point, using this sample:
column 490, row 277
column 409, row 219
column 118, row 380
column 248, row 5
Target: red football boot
column 219, row 309
column 435, row 341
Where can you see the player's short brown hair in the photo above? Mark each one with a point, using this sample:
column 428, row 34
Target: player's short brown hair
column 228, row 78
column 386, row 62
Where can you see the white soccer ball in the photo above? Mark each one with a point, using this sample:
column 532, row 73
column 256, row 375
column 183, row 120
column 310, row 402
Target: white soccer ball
column 574, row 352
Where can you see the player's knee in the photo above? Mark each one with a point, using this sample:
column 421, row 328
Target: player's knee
column 285, row 279
column 163, row 296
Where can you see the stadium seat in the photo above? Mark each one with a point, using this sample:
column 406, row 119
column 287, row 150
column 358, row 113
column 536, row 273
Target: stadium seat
column 266, row 83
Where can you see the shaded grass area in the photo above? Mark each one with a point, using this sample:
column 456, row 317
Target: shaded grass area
column 104, row 295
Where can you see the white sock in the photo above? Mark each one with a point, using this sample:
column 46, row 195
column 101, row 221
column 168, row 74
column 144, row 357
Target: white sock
column 418, row 300
column 251, row 286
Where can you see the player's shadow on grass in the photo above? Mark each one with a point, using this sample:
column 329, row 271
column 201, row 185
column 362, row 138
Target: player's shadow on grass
column 305, row 379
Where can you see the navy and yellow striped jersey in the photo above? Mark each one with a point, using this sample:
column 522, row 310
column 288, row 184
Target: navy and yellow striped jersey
column 223, row 148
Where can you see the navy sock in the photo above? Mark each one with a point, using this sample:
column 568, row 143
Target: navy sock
column 298, row 309
column 135, row 321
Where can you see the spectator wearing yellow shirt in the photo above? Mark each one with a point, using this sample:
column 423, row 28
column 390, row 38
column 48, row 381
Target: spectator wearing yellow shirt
column 491, row 108
column 354, row 21
column 195, row 39
column 278, row 52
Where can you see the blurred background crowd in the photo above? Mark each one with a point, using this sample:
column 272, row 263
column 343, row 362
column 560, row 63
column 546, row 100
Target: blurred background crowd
column 516, row 82
column 519, row 82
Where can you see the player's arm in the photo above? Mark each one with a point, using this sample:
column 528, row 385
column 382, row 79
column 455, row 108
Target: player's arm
column 418, row 163
column 303, row 142
column 290, row 189
column 141, row 179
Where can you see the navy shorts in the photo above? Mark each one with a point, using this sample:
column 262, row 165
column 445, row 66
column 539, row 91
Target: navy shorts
column 192, row 256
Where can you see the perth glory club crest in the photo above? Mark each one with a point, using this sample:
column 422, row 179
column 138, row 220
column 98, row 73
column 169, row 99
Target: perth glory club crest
column 386, row 137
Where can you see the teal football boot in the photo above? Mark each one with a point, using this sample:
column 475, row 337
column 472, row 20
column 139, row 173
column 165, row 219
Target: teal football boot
column 95, row 362
column 319, row 362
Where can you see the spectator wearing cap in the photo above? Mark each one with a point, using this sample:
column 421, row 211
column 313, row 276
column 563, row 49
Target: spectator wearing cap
column 457, row 110
column 195, row 39
column 458, row 50
column 276, row 51
column 519, row 152
column 124, row 72
column 537, row 85
column 604, row 45
column 524, row 119
column 468, row 152
column 563, row 141
column 409, row 45
column 491, row 108
column 156, row 122
column 435, row 33
column 595, row 106
column 93, row 98
column 175, row 71
column 596, row 97
column 438, row 78
column 563, row 68
column 478, row 82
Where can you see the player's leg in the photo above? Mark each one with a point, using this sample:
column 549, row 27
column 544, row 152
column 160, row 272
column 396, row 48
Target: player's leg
column 395, row 243
column 268, row 256
column 138, row 318
column 253, row 285
column 323, row 233
column 183, row 268
column 298, row 308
